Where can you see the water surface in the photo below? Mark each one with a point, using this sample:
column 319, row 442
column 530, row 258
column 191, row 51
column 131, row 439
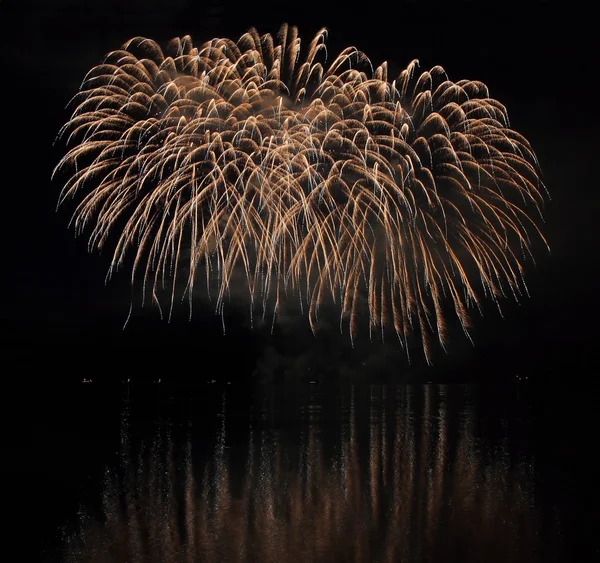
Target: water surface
column 310, row 473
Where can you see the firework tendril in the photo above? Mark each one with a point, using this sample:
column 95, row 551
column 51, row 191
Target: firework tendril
column 409, row 197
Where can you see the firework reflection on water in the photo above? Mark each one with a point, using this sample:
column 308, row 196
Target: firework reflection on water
column 402, row 475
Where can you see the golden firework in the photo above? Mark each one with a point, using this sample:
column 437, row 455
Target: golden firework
column 325, row 180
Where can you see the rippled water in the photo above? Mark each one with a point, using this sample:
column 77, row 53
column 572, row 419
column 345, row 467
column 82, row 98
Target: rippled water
column 368, row 473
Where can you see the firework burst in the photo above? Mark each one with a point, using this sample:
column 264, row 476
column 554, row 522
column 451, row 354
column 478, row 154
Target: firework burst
column 328, row 180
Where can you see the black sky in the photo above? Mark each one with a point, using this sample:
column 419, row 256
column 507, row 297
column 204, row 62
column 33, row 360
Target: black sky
column 537, row 57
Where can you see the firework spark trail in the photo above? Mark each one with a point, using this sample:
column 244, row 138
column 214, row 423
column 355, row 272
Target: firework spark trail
column 315, row 178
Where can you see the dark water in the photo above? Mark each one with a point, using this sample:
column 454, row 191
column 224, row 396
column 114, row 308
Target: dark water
column 306, row 473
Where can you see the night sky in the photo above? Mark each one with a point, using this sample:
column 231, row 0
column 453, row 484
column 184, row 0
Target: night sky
column 535, row 56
